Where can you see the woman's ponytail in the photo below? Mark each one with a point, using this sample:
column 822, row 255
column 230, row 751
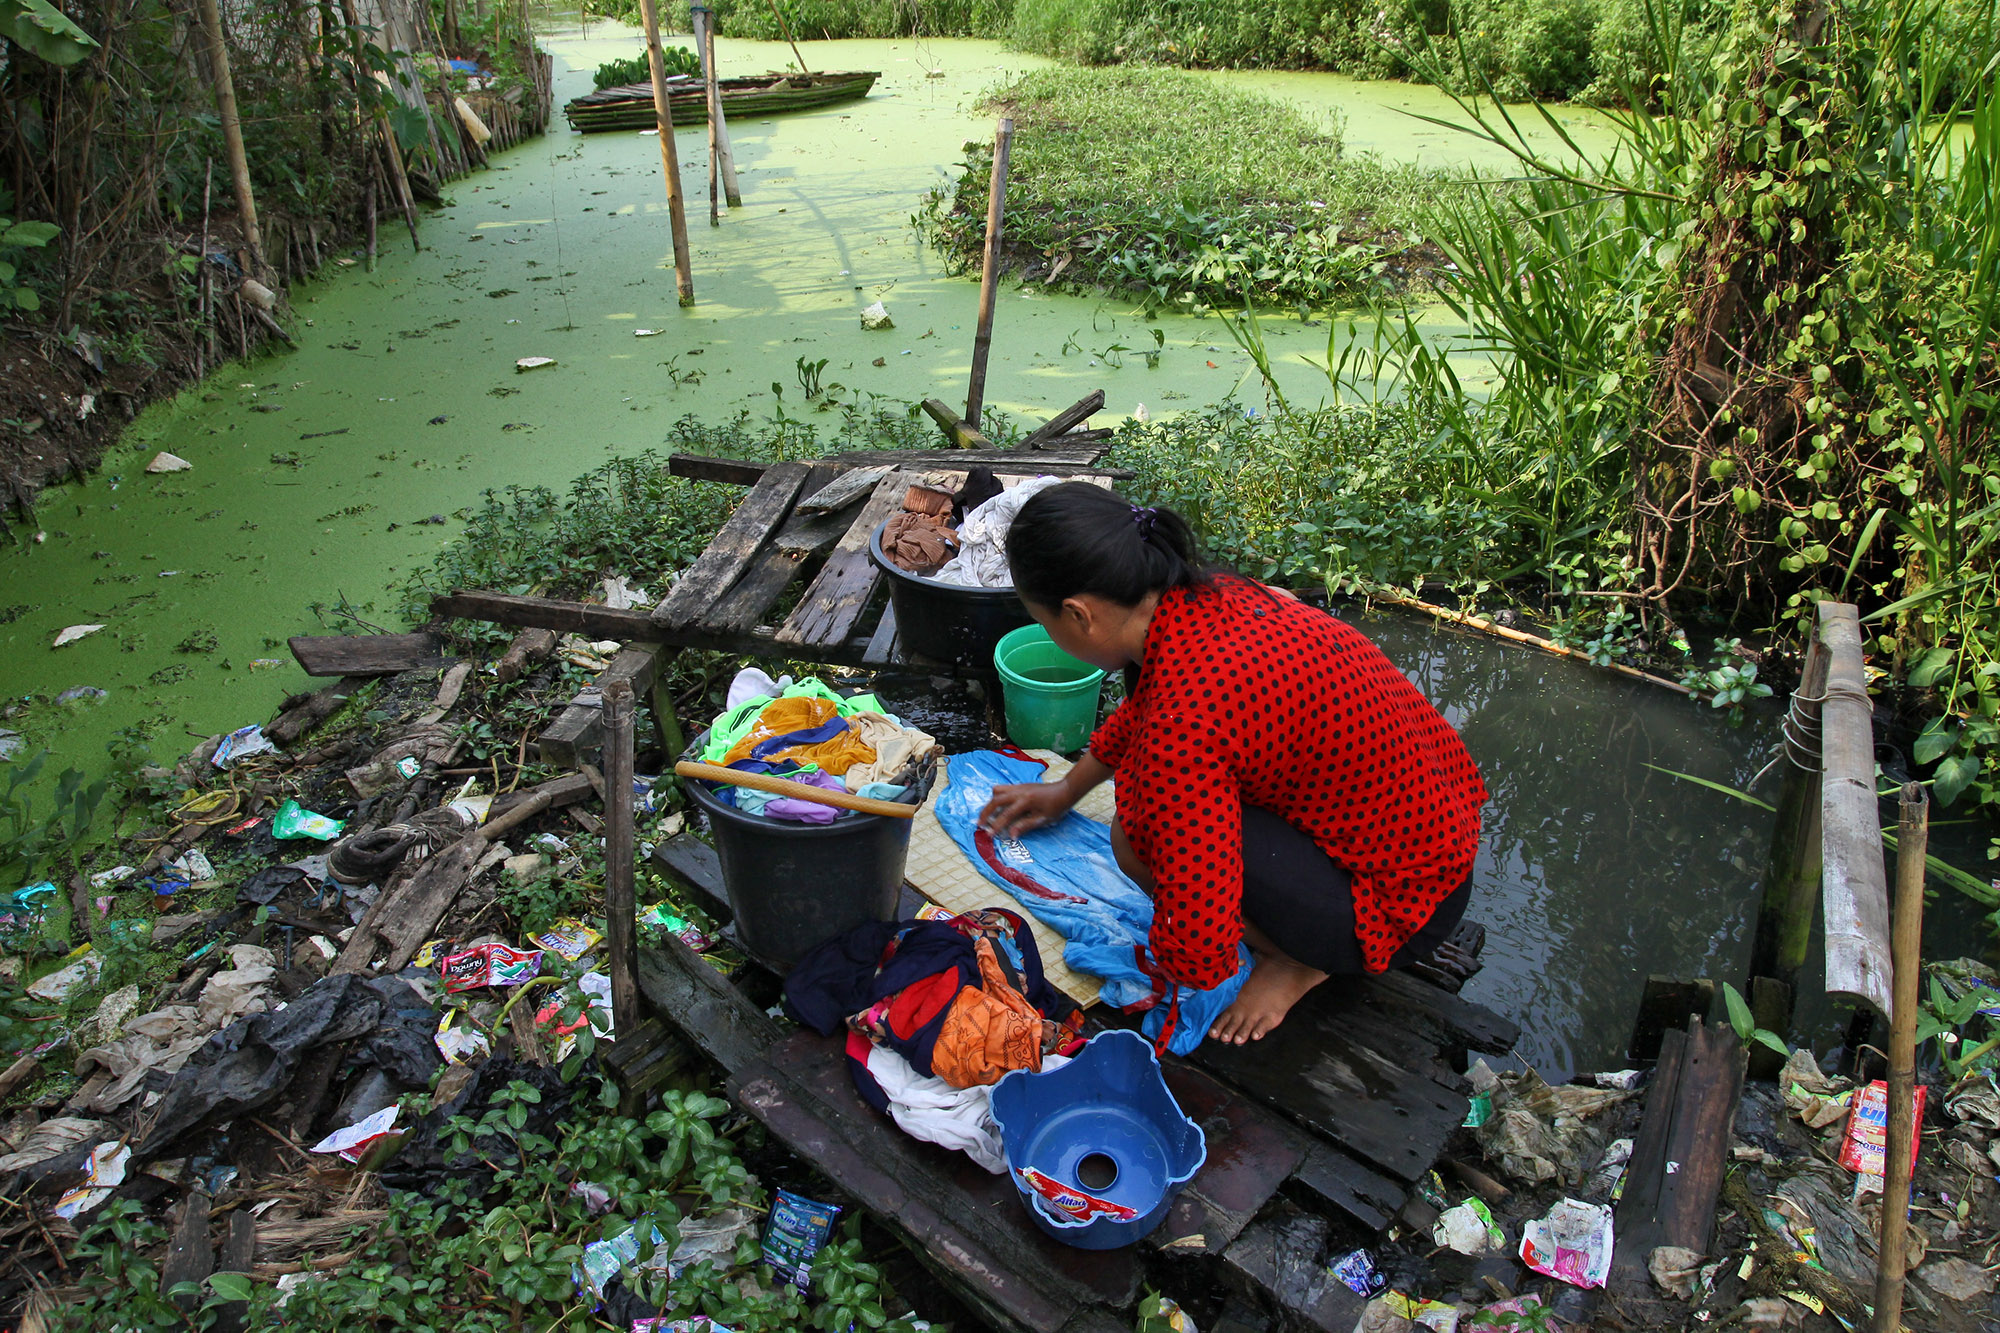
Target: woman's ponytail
column 1081, row 538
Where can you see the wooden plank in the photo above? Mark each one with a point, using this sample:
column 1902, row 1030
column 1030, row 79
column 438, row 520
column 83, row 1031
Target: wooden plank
column 746, row 533
column 410, row 908
column 1854, row 891
column 836, row 599
column 1665, row 1006
column 729, row 471
column 1251, row 1152
column 1330, row 1178
column 970, row 1222
column 846, row 489
column 189, row 1257
column 721, row 1022
column 524, row 654
column 961, row 433
column 578, row 730
column 1070, row 417
column 366, row 654
column 239, row 1253
column 882, row 643
column 692, row 863
column 1681, row 1151
column 1364, row 1087
column 1005, row 462
column 1282, row 1261
column 585, row 618
column 1436, row 1015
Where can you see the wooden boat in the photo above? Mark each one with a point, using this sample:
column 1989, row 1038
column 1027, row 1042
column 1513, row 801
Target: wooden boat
column 630, row 106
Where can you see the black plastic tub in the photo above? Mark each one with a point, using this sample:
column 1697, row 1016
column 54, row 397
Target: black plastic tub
column 792, row 887
column 947, row 623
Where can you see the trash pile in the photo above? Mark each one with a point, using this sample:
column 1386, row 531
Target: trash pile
column 805, row 732
column 959, row 536
column 1520, row 1233
column 347, row 977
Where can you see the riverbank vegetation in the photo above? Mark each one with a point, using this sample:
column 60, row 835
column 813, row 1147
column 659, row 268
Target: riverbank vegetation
column 1187, row 194
column 124, row 240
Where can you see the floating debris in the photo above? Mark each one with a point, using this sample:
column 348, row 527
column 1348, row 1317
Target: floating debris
column 166, row 462
column 73, row 633
column 533, row 363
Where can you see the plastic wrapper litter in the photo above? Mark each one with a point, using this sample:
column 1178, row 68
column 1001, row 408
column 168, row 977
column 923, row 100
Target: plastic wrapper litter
column 1572, row 1243
column 489, row 965
column 799, row 1226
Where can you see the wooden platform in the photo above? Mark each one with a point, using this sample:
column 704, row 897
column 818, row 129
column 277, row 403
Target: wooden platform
column 1315, row 1134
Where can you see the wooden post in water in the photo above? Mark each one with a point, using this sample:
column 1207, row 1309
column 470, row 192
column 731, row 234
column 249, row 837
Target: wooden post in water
column 1792, row 872
column 989, row 278
column 232, row 134
column 721, row 156
column 786, row 28
column 620, row 907
column 663, row 113
column 1912, row 835
column 1855, row 893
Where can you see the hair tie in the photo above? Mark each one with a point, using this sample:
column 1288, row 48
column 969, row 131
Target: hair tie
column 1143, row 519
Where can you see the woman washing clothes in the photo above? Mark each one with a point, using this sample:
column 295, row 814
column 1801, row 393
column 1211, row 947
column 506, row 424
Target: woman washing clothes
column 1279, row 780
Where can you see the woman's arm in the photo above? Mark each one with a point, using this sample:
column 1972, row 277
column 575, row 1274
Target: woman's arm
column 1020, row 807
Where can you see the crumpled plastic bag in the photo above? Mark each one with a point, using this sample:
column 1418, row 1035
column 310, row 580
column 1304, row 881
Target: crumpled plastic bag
column 51, row 1139
column 1816, row 1099
column 162, row 1040
column 1675, row 1270
column 241, row 989
column 1572, row 1243
column 1537, row 1132
column 1977, row 1102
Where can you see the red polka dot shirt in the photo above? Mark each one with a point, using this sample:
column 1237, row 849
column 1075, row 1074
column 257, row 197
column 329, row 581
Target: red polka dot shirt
column 1245, row 697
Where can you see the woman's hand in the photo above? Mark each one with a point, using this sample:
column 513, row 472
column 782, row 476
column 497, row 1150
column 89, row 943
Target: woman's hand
column 1020, row 807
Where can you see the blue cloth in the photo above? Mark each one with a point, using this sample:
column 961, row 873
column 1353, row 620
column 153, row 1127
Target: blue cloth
column 1067, row 875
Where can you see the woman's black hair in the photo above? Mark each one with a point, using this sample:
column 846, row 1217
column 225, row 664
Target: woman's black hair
column 1081, row 538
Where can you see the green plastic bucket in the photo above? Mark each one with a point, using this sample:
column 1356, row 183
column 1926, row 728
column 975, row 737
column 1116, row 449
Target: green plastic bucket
column 1050, row 697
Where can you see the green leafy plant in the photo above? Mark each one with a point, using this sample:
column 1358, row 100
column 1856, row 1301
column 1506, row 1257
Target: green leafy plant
column 1729, row 682
column 29, row 843
column 1744, row 1024
column 16, row 236
column 635, row 69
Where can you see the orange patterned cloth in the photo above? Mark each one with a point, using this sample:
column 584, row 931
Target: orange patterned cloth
column 782, row 717
column 988, row 1031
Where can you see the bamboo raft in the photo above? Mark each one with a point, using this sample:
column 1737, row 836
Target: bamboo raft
column 630, row 106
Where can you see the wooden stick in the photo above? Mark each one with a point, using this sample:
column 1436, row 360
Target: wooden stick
column 989, row 278
column 698, row 19
column 669, row 158
column 1911, row 836
column 721, row 154
column 620, row 909
column 391, row 156
column 786, row 28
column 798, row 791
column 232, row 133
column 1518, row 636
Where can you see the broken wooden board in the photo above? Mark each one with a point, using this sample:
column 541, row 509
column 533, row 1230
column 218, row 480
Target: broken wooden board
column 703, row 467
column 1352, row 1077
column 741, row 538
column 366, row 654
column 589, row 619
column 850, row 487
column 578, row 730
column 969, row 1224
column 1681, row 1151
column 828, row 611
column 963, row 434
column 1001, row 462
column 1281, row 1260
column 692, row 863
column 722, row 1022
column 1067, row 419
column 1251, row 1153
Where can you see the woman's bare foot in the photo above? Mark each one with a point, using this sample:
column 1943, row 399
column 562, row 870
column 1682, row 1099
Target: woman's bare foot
column 1274, row 985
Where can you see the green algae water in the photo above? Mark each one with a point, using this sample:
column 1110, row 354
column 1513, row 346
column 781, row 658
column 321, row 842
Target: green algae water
column 325, row 476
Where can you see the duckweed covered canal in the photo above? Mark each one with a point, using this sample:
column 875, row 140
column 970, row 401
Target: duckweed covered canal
column 326, row 476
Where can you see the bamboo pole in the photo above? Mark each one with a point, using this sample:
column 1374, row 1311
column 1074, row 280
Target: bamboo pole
column 721, row 155
column 206, row 347
column 1912, row 835
column 232, row 134
column 620, row 908
column 798, row 791
column 989, row 278
column 663, row 114
column 1486, row 626
column 786, row 29
column 368, row 93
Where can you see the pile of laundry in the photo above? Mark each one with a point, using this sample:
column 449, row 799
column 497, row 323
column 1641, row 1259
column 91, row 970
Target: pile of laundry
column 959, row 537
column 936, row 1011
column 805, row 732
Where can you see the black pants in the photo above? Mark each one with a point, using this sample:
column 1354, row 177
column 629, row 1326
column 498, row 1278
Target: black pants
column 1303, row 899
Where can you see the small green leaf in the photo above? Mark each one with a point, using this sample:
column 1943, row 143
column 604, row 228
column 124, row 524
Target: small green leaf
column 1739, row 1012
column 231, row 1286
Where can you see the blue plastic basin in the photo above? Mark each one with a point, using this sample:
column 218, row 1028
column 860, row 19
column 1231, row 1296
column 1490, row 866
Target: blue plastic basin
column 1104, row 1126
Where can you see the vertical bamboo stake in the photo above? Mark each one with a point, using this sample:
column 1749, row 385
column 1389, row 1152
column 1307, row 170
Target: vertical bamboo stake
column 232, row 134
column 722, row 156
column 663, row 113
column 786, row 28
column 989, row 278
column 1912, row 835
column 367, row 92
column 207, row 345
column 368, row 203
column 619, row 905
column 698, row 19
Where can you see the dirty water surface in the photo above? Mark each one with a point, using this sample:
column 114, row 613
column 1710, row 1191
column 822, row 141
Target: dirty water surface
column 325, row 476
